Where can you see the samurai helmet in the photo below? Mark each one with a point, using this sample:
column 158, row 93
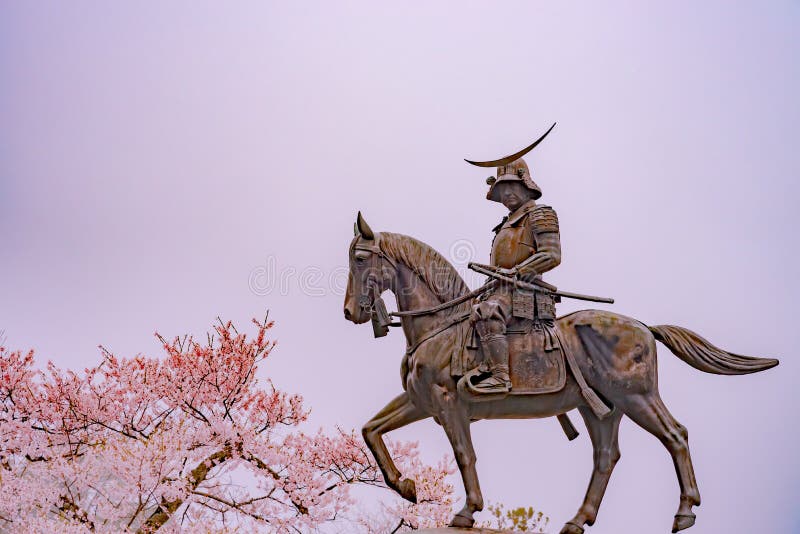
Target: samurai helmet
column 512, row 169
column 516, row 171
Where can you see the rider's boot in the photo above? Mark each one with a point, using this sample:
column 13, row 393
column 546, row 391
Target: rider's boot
column 495, row 365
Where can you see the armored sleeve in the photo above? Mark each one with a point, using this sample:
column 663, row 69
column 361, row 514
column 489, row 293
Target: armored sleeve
column 543, row 223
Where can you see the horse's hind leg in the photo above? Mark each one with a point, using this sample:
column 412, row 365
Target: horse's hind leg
column 649, row 412
column 604, row 434
column 398, row 413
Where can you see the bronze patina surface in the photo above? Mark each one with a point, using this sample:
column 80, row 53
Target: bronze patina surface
column 456, row 366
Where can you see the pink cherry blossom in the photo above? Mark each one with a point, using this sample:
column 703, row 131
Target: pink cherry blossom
column 192, row 440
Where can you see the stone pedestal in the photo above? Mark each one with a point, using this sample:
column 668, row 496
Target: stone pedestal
column 452, row 530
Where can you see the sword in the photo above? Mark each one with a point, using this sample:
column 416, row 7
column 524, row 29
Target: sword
column 537, row 285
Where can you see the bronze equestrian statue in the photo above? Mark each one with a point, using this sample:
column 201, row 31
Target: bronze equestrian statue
column 500, row 352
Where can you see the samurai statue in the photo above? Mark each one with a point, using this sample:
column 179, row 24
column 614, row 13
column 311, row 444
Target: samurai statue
column 526, row 244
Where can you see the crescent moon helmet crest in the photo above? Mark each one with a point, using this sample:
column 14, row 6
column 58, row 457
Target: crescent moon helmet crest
column 513, row 157
column 512, row 169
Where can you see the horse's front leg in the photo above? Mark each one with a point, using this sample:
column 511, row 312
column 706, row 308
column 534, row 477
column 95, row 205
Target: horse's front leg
column 398, row 413
column 453, row 416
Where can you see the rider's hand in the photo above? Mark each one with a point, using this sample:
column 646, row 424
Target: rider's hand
column 528, row 275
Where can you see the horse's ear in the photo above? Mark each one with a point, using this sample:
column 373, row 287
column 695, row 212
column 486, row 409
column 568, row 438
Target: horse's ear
column 363, row 228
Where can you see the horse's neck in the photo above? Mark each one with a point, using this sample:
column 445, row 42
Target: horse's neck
column 412, row 293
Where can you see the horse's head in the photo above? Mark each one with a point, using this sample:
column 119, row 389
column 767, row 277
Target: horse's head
column 371, row 272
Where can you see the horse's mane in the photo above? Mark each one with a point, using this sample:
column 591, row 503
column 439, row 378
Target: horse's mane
column 438, row 274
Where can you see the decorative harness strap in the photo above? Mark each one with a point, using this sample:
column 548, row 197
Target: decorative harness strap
column 375, row 248
column 452, row 322
column 592, row 399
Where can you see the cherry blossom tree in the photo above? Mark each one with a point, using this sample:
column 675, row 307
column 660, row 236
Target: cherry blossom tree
column 191, row 441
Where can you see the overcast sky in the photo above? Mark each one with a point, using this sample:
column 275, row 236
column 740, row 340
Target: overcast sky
column 165, row 163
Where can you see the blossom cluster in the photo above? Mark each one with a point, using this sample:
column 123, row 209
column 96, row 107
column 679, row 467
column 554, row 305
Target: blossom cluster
column 190, row 441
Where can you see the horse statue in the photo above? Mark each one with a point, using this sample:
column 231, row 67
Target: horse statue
column 620, row 366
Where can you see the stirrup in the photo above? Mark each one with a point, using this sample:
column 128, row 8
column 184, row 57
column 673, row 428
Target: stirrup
column 496, row 383
column 466, row 389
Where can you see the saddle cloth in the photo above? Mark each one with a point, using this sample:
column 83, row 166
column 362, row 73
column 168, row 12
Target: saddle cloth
column 535, row 356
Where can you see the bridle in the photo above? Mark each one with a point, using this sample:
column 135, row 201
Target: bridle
column 370, row 300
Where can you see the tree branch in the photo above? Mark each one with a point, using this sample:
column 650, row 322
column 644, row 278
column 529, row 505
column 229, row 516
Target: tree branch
column 164, row 511
column 261, row 465
column 72, row 510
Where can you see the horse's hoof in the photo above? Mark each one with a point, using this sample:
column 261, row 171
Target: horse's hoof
column 408, row 490
column 682, row 522
column 572, row 528
column 461, row 521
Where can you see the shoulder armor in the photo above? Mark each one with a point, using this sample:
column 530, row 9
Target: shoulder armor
column 544, row 219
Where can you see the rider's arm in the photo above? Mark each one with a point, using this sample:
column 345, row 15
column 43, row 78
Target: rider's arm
column 545, row 234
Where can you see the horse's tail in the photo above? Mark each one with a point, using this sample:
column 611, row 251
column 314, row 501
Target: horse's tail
column 701, row 354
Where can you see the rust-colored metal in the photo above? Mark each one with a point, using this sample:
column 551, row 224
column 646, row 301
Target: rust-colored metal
column 500, row 352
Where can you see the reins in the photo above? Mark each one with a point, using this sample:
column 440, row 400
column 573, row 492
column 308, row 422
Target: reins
column 449, row 304
column 452, row 322
column 383, row 323
column 443, row 306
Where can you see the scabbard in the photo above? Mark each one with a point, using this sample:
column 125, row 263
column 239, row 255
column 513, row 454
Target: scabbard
column 567, row 426
column 537, row 285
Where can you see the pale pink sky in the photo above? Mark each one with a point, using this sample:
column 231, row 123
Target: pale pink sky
column 156, row 160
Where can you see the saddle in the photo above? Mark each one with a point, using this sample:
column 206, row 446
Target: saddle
column 536, row 361
column 535, row 357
